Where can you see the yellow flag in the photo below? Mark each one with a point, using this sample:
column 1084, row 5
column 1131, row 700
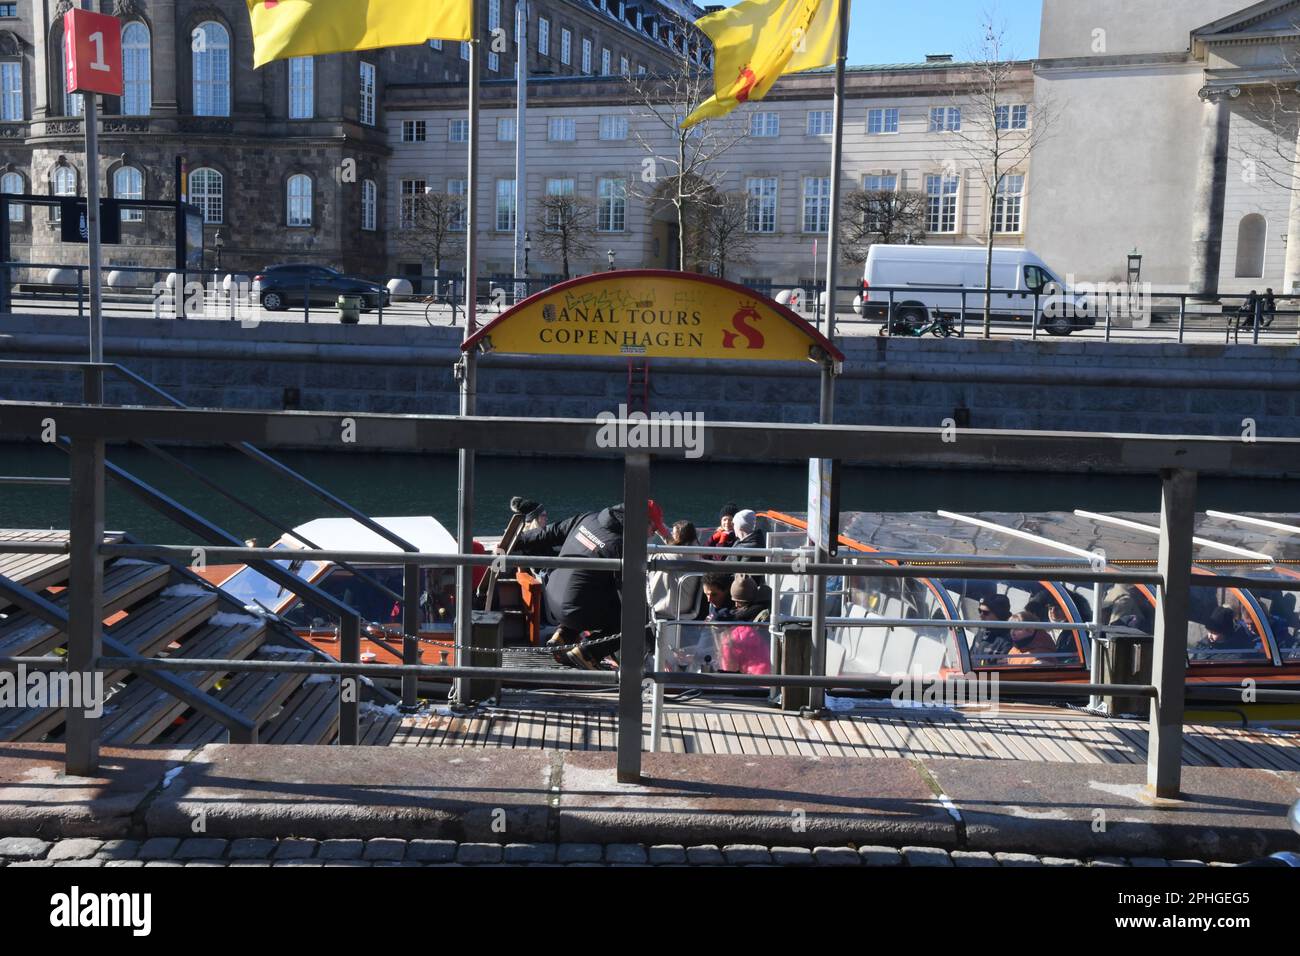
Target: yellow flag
column 288, row 28
column 756, row 41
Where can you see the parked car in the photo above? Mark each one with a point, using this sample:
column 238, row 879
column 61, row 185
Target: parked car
column 287, row 286
column 927, row 279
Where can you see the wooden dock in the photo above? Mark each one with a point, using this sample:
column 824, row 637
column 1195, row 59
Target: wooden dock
column 1038, row 734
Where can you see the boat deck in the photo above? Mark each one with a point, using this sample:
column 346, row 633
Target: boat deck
column 1018, row 732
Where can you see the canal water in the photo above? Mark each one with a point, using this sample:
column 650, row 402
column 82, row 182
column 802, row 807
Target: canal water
column 412, row 485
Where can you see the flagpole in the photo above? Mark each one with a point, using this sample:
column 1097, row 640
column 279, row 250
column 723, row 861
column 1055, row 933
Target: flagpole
column 468, row 380
column 817, row 695
column 521, row 140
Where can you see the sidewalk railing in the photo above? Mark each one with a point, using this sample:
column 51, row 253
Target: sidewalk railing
column 1174, row 461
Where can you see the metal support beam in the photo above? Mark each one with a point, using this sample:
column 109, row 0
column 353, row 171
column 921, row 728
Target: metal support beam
column 349, row 687
column 1169, row 668
column 636, row 531
column 410, row 631
column 86, row 589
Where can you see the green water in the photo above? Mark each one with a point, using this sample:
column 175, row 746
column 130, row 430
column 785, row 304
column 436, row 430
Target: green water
column 409, row 485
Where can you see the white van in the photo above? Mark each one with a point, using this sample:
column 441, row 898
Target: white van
column 926, row 279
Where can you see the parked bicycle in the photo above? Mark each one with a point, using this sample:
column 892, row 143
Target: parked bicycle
column 911, row 323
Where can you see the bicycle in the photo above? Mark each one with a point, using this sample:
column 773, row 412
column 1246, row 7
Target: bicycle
column 912, row 323
column 432, row 309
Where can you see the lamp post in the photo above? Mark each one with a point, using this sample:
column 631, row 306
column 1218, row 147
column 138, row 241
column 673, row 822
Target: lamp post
column 1134, row 268
column 528, row 248
column 610, row 256
column 218, row 244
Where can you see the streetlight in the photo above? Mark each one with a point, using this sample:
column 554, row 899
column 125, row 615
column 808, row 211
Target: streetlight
column 610, row 256
column 1134, row 268
column 528, row 247
column 218, row 244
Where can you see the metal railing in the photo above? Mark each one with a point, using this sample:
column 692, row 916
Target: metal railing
column 1175, row 461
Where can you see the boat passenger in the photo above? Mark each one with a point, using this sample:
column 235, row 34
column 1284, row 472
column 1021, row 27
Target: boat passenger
column 717, row 591
column 747, row 533
column 725, row 536
column 672, row 595
column 1226, row 639
column 746, row 649
column 992, row 644
column 1029, row 645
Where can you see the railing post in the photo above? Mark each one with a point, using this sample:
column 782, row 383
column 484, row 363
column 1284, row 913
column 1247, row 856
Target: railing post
column 349, row 686
column 306, row 303
column 1034, row 333
column 410, row 632
column 963, row 313
column 636, row 531
column 1169, row 666
column 81, row 295
column 1182, row 317
column 1258, row 318
column 889, row 315
column 86, row 611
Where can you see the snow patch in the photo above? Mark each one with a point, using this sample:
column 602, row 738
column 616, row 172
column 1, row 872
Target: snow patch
column 839, row 704
column 386, row 710
column 1026, row 814
column 185, row 590
column 950, row 807
column 171, row 775
column 320, row 678
column 1136, row 792
column 226, row 619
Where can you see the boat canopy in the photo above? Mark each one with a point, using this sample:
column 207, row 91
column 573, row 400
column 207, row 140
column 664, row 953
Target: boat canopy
column 348, row 534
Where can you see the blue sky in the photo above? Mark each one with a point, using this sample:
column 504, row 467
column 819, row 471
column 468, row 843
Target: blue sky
column 890, row 31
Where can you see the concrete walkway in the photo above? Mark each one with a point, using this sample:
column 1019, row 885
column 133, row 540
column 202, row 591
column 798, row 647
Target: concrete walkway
column 1083, row 811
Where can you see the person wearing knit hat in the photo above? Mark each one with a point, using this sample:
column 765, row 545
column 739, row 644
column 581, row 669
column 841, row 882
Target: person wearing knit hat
column 725, row 536
column 747, row 534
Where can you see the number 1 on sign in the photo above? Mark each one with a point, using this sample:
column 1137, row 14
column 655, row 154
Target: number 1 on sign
column 98, row 63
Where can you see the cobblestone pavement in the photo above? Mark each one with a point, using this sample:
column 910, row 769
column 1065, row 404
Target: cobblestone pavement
column 209, row 851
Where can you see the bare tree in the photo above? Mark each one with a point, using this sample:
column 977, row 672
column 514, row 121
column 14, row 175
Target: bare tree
column 720, row 234
column 567, row 223
column 881, row 216
column 677, row 167
column 996, row 130
column 431, row 228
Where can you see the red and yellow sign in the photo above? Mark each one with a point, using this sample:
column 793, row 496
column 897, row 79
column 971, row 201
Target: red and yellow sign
column 654, row 314
column 92, row 53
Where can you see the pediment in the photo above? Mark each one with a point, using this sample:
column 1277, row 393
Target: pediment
column 1267, row 19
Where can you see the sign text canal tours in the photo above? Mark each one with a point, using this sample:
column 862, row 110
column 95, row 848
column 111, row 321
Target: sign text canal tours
column 654, row 314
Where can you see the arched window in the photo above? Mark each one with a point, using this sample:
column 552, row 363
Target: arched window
column 210, row 43
column 13, row 184
column 1252, row 238
column 137, row 96
column 208, row 192
column 63, row 182
column 299, row 205
column 128, row 183
column 369, row 205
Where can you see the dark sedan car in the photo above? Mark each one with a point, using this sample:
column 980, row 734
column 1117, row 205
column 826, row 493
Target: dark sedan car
column 288, row 286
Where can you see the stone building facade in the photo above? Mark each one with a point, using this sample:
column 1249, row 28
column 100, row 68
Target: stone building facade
column 289, row 162
column 1177, row 141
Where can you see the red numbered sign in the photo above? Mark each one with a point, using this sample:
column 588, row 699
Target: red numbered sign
column 92, row 52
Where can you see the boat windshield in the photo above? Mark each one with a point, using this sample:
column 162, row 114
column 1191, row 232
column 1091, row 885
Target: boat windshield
column 252, row 588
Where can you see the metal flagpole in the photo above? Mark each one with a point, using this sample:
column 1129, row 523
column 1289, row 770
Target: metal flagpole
column 521, row 140
column 92, row 238
column 817, row 695
column 467, row 373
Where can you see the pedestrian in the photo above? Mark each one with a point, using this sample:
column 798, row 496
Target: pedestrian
column 1270, row 308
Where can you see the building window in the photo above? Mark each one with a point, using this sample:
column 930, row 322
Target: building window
column 302, row 87
column 761, row 211
column 873, row 221
column 128, row 183
column 8, row 9
column 368, row 94
column 137, row 79
column 1010, row 202
column 606, row 62
column 464, row 50
column 208, row 192
column 945, row 119
column 820, row 122
column 456, row 187
column 11, row 92
column 506, row 129
column 414, row 131
column 816, row 204
column 369, row 205
column 436, row 44
column 611, row 210
column 556, row 187
column 882, row 121
column 505, row 205
column 412, row 190
column 63, row 182
column 12, row 183
column 1012, row 117
column 543, row 36
column 493, row 24
column 764, row 124
column 586, row 56
column 458, row 131
column 941, row 213
column 640, row 19
column 624, row 68
column 299, row 191
column 211, row 62
column 566, row 47
column 613, row 127
column 561, row 129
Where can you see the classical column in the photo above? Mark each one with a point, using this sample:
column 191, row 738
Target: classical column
column 41, row 21
column 1208, row 195
column 1291, row 275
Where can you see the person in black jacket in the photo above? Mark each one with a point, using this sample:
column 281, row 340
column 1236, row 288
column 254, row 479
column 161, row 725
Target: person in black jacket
column 576, row 599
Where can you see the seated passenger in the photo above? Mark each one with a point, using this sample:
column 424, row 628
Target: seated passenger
column 1226, row 639
column 1063, row 640
column 717, row 591
column 1029, row 645
column 725, row 536
column 991, row 644
column 746, row 649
